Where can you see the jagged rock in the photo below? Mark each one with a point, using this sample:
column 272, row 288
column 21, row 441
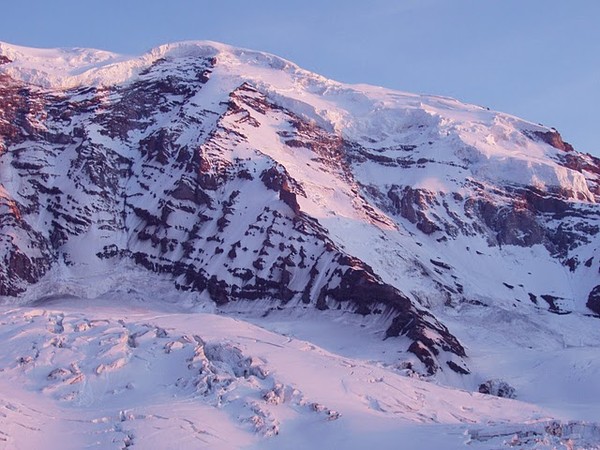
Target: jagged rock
column 457, row 368
column 412, row 204
column 497, row 387
column 278, row 182
column 552, row 138
column 593, row 301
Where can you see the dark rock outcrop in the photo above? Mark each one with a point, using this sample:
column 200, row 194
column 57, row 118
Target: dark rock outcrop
column 593, row 301
column 279, row 182
column 497, row 387
column 552, row 138
column 412, row 204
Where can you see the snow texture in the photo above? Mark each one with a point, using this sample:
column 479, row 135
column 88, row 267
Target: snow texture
column 211, row 247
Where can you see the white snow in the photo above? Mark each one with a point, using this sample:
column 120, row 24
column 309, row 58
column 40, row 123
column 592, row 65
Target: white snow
column 110, row 356
column 101, row 373
column 387, row 118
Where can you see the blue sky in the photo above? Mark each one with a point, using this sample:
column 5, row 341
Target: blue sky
column 537, row 59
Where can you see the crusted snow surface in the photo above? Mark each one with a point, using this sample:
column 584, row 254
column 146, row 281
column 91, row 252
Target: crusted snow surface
column 99, row 374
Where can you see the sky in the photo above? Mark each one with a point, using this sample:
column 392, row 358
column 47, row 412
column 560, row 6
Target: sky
column 536, row 59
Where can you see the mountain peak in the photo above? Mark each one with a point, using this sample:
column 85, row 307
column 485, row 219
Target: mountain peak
column 200, row 176
column 166, row 150
column 70, row 67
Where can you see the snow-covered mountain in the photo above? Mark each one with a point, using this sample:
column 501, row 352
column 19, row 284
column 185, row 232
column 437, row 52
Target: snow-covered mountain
column 466, row 238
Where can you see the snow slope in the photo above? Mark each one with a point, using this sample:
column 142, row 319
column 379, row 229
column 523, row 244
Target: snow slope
column 102, row 374
column 392, row 251
column 110, row 376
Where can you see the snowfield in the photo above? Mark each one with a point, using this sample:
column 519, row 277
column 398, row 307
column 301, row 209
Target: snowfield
column 112, row 378
column 116, row 373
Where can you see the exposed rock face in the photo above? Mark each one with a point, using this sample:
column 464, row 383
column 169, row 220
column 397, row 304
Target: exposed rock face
column 523, row 216
column 499, row 388
column 593, row 301
column 114, row 188
column 247, row 191
column 279, row 182
column 552, row 138
column 412, row 204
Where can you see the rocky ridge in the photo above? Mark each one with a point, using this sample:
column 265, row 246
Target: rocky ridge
column 244, row 178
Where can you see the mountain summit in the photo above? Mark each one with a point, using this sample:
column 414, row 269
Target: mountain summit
column 409, row 237
column 255, row 184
